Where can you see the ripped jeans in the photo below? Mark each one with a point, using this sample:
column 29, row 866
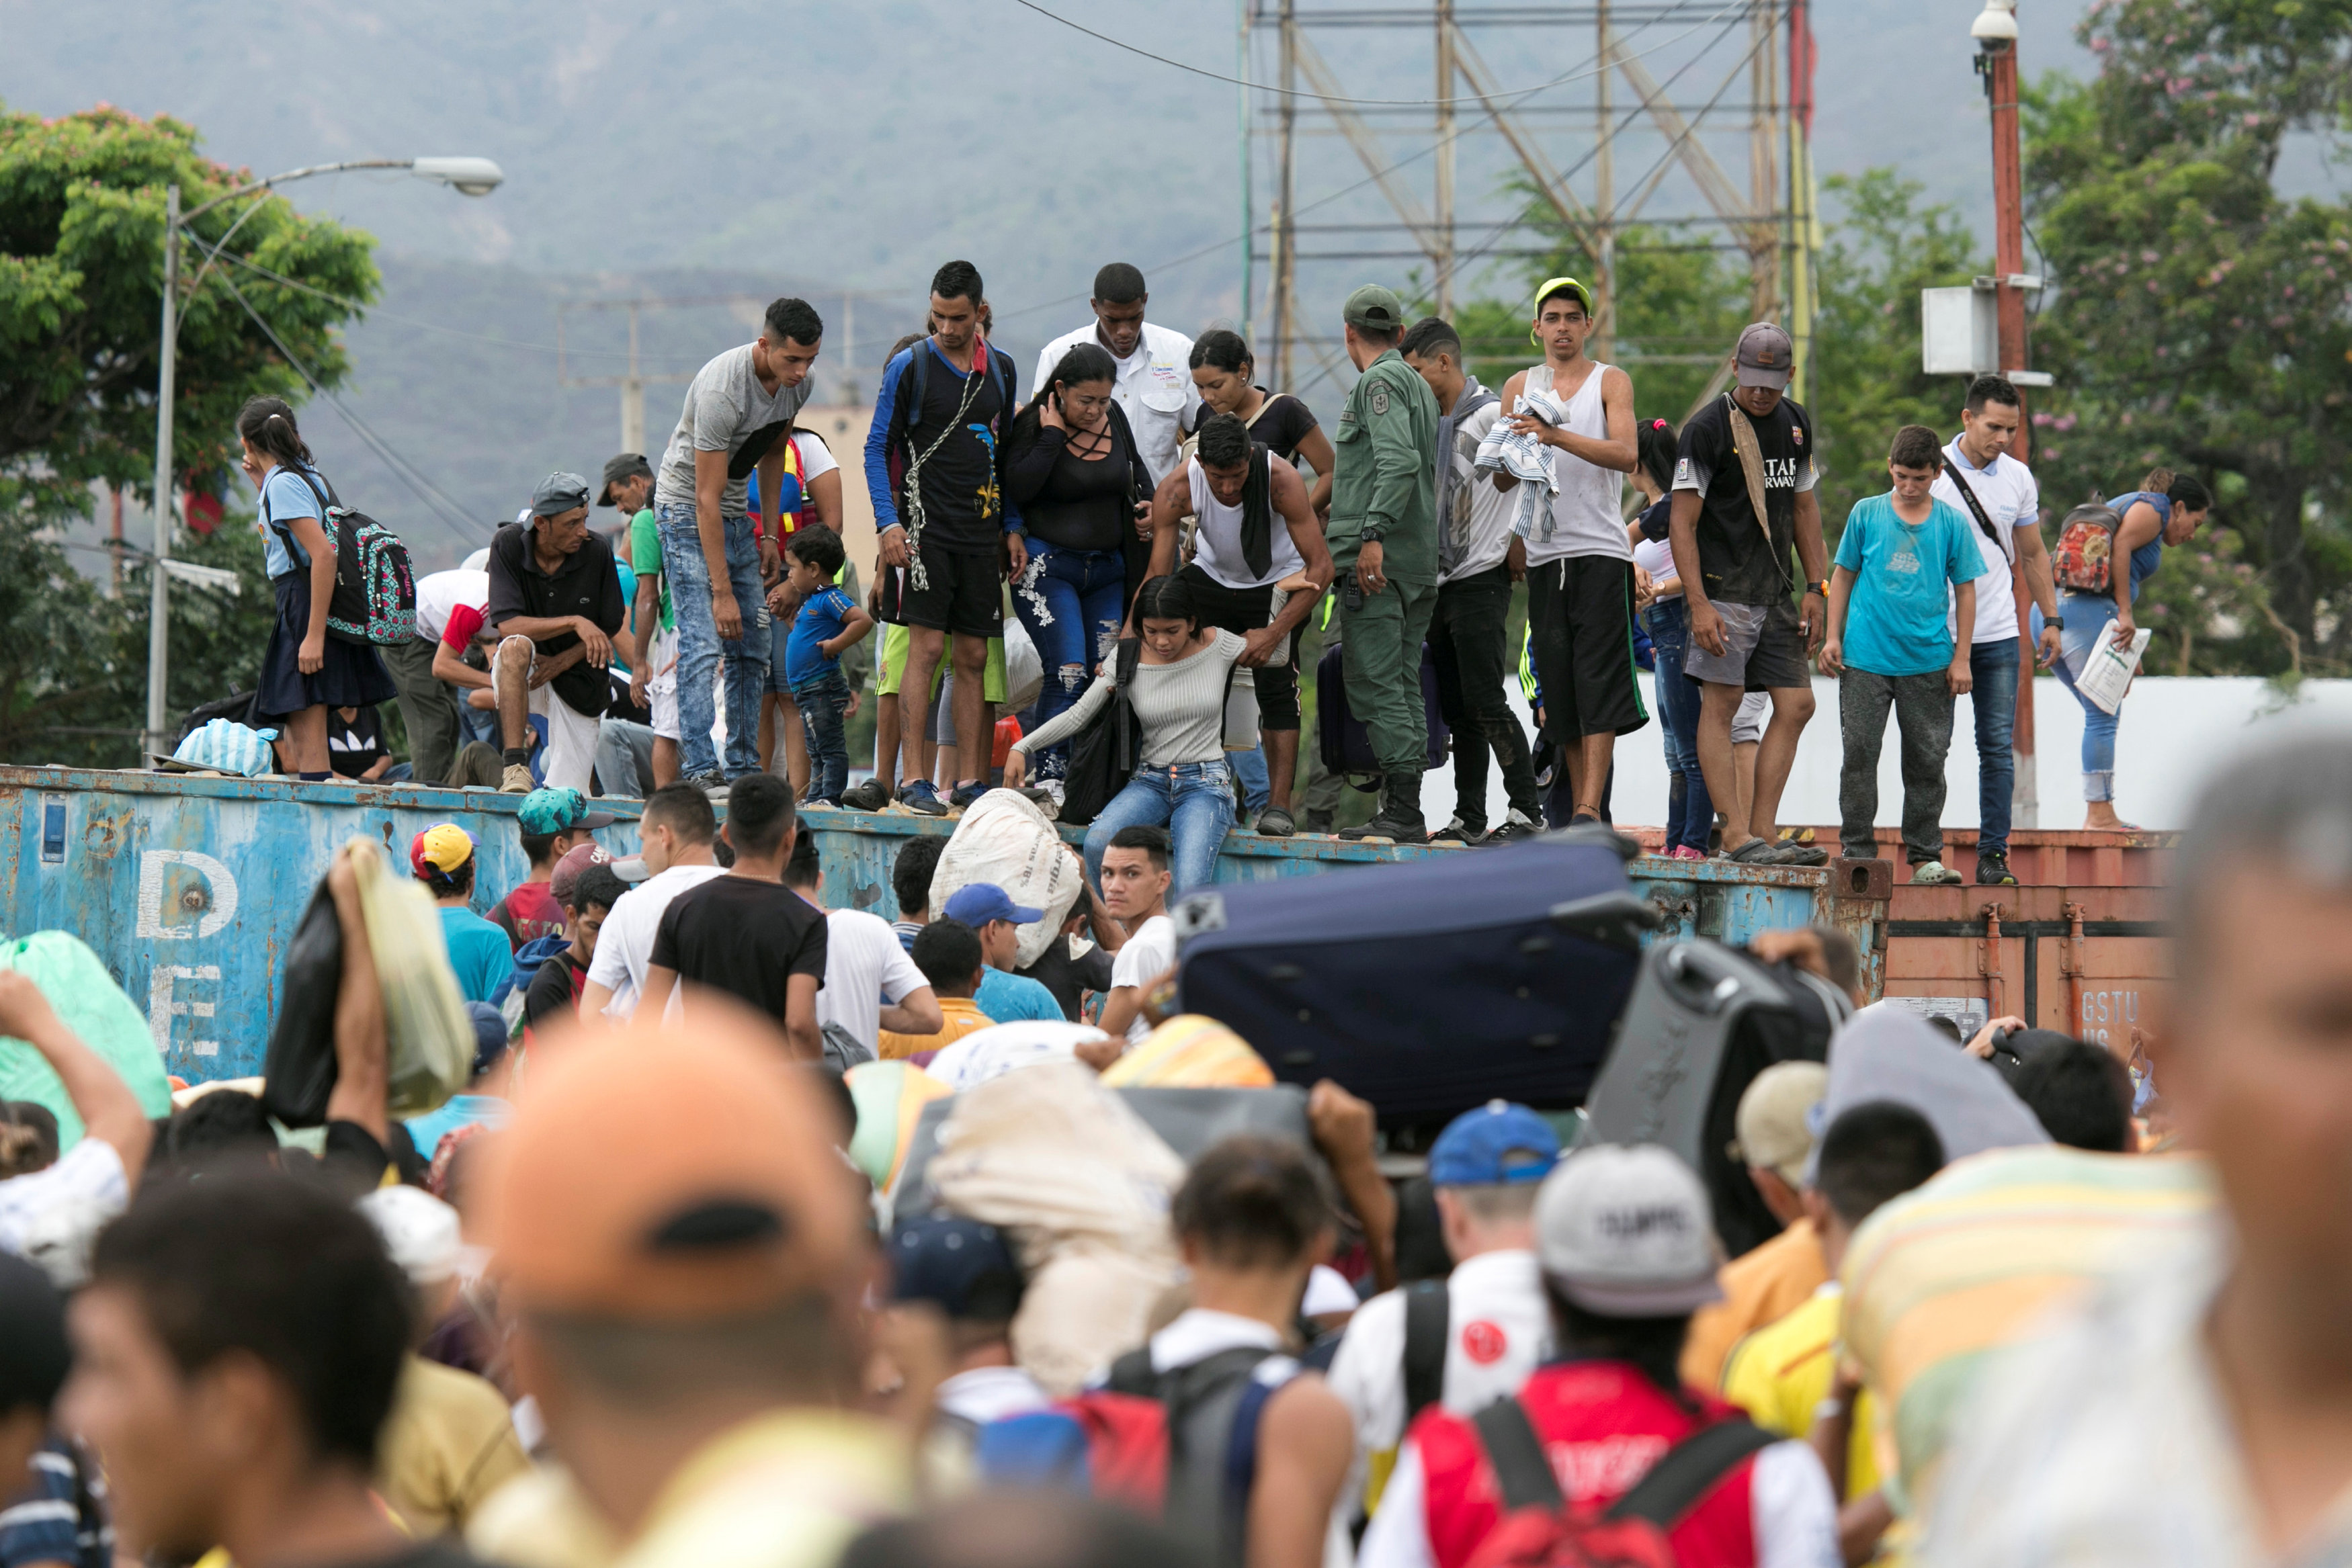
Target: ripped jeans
column 1071, row 603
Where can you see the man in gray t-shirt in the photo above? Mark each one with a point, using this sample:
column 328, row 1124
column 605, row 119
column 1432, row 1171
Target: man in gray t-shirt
column 737, row 416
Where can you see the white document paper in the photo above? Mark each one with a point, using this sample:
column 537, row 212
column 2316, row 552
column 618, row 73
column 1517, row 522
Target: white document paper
column 2108, row 670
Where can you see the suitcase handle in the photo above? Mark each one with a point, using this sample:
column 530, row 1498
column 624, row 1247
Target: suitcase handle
column 1613, row 919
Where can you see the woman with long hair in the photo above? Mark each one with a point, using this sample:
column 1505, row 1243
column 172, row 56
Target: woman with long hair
column 304, row 672
column 2164, row 511
column 1690, row 811
column 1072, row 470
column 1221, row 371
column 1183, row 782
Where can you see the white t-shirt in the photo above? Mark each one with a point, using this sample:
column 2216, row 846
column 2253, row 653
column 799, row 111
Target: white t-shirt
column 816, row 458
column 626, row 945
column 2013, row 501
column 1154, row 390
column 864, row 967
column 1479, row 524
column 1498, row 1330
column 1656, row 557
column 443, row 592
column 1148, row 954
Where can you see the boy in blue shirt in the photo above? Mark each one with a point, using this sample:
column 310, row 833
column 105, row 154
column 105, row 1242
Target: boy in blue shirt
column 830, row 622
column 1891, row 644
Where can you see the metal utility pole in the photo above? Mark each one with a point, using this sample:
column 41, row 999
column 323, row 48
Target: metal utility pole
column 1446, row 157
column 1285, row 228
column 1604, row 192
column 1995, row 32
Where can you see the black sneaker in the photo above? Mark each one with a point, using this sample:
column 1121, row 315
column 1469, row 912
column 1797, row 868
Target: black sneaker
column 1992, row 871
column 1454, row 832
column 1514, row 829
column 1392, row 829
column 872, row 795
column 966, row 794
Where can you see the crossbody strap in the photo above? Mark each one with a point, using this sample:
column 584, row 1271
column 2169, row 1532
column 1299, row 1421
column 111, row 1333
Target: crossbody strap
column 2007, row 548
column 1689, row 1470
column 1428, row 1309
column 1751, row 469
column 1521, row 1470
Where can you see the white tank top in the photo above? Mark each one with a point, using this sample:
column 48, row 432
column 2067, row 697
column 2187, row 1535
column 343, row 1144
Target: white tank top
column 1217, row 548
column 1588, row 513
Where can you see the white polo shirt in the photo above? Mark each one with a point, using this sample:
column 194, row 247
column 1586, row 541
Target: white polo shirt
column 2012, row 500
column 1154, row 389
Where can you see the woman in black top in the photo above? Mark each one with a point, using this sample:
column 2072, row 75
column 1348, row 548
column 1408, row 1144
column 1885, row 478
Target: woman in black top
column 1221, row 367
column 1071, row 468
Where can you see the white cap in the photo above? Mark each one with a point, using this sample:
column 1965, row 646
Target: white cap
column 419, row 1230
column 1624, row 1231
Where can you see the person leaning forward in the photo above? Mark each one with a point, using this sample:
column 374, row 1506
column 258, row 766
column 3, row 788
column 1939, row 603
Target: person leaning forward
column 1384, row 529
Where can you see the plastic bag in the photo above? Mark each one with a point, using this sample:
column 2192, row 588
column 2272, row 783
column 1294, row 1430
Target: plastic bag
column 1005, row 839
column 1025, row 670
column 86, row 1000
column 1082, row 1186
column 429, row 1038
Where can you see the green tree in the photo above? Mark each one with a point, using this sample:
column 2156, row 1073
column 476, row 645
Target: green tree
column 81, row 229
column 1882, row 248
column 2201, row 323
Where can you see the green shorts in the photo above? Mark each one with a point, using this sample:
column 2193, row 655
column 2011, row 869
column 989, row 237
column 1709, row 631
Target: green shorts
column 894, row 641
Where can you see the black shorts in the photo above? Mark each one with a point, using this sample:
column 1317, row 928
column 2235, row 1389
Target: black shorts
column 1243, row 610
column 1580, row 629
column 963, row 592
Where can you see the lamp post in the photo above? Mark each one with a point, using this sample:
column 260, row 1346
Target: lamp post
column 1995, row 32
column 468, row 176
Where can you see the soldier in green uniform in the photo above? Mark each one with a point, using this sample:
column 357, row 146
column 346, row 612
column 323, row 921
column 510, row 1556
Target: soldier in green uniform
column 1383, row 535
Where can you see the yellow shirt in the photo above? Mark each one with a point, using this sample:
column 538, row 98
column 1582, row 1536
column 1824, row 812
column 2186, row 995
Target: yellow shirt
column 789, row 1489
column 450, row 1443
column 1779, row 1372
column 961, row 1017
column 1760, row 1286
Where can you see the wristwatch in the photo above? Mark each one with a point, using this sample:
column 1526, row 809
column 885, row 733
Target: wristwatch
column 1372, row 533
column 2057, row 621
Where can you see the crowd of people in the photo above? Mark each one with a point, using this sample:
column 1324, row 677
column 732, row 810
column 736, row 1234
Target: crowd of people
column 705, row 639
column 667, row 1280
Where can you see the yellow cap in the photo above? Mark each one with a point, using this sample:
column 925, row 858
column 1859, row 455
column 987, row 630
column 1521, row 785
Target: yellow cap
column 1552, row 286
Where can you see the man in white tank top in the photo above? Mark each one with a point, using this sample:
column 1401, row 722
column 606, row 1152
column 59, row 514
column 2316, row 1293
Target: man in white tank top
column 1234, row 570
column 1579, row 567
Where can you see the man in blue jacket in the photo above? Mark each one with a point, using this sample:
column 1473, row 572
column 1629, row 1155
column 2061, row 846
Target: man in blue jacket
column 935, row 469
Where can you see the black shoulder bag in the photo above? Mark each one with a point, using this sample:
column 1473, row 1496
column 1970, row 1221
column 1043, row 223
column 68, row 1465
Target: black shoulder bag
column 1103, row 755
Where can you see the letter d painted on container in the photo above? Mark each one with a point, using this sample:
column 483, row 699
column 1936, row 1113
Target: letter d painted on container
column 219, row 912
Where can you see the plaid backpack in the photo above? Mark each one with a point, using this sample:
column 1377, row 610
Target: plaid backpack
column 376, row 590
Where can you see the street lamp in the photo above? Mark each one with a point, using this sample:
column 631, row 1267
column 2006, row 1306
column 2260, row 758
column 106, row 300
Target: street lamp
column 468, row 176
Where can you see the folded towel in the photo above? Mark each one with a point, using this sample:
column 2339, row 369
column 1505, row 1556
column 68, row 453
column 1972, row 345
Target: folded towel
column 1528, row 460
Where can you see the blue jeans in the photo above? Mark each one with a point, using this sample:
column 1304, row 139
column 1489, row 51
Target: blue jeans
column 1690, row 810
column 821, row 702
column 2088, row 617
column 700, row 650
column 1257, row 784
column 1193, row 800
column 1992, row 667
column 1071, row 603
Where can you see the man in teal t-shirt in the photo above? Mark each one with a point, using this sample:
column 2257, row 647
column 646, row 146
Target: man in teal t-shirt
column 1901, row 557
column 442, row 858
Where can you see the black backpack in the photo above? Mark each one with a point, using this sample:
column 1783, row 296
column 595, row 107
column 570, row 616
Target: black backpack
column 1212, row 1410
column 374, row 601
column 1104, row 754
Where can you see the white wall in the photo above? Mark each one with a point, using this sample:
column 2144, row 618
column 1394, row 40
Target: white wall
column 2174, row 731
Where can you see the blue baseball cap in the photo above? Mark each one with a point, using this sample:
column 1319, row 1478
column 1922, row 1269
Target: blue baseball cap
column 978, row 902
column 964, row 1268
column 1499, row 1144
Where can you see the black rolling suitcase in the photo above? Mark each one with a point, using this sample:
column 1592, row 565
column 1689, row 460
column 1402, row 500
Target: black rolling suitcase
column 1704, row 1020
column 1428, row 986
column 1347, row 747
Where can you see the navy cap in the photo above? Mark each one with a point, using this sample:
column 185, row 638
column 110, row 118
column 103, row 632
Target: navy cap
column 977, row 903
column 490, row 1036
column 964, row 1268
column 1499, row 1144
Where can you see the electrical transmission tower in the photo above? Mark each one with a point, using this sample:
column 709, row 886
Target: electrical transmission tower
column 1539, row 114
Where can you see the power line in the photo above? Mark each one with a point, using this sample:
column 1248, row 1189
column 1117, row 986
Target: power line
column 1294, row 92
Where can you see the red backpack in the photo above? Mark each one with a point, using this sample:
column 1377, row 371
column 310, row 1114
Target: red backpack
column 1537, row 1529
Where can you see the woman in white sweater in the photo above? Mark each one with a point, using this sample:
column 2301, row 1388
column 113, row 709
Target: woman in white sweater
column 1183, row 782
